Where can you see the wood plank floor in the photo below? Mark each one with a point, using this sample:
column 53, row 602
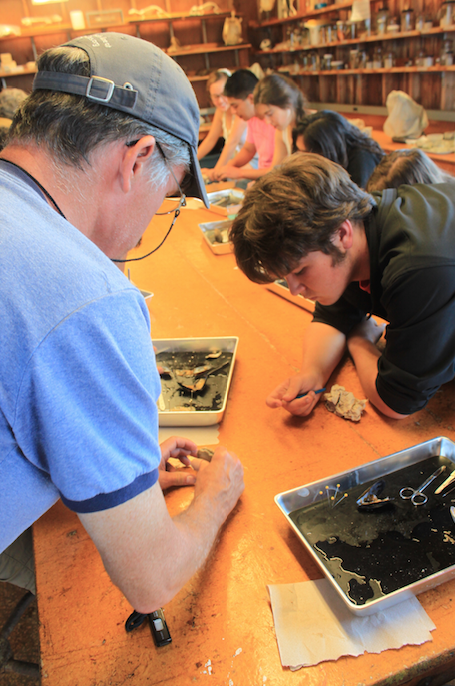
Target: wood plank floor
column 24, row 639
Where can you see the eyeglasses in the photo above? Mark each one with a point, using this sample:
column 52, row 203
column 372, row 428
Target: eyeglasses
column 178, row 203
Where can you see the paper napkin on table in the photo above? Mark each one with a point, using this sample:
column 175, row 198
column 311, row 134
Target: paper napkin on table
column 313, row 625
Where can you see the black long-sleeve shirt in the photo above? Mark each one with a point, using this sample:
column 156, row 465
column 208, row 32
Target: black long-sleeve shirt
column 411, row 240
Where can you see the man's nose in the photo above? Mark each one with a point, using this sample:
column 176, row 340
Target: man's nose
column 294, row 284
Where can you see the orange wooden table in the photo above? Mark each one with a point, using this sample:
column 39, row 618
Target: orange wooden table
column 445, row 162
column 222, row 618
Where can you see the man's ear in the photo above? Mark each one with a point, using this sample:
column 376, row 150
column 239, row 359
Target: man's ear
column 134, row 157
column 344, row 236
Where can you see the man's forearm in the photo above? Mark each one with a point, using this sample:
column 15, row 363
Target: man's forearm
column 150, row 555
column 365, row 356
column 323, row 348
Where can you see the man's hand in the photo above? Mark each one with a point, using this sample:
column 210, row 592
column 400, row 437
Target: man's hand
column 178, row 448
column 220, row 482
column 285, row 394
column 228, row 172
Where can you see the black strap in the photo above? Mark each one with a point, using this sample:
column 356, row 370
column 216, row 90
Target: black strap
column 134, row 620
column 95, row 88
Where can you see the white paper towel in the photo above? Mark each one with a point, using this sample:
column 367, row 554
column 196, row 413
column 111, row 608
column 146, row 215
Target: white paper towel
column 312, row 625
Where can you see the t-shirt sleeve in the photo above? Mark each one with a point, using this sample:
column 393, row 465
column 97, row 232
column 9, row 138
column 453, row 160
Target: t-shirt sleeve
column 86, row 413
column 420, row 338
column 347, row 312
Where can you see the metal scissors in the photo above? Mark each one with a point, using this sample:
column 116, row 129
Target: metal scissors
column 416, row 495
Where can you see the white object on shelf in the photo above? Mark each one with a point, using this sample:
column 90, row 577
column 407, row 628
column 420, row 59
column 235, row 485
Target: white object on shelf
column 77, row 19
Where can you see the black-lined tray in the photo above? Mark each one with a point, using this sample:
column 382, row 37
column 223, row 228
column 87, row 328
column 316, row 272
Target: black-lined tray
column 179, row 406
column 378, row 558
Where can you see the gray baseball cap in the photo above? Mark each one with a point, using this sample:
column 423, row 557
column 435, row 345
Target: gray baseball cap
column 136, row 77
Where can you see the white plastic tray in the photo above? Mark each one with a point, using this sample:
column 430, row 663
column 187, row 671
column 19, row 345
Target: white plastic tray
column 210, row 229
column 200, row 409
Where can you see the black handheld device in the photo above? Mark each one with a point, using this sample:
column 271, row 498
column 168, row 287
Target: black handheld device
column 158, row 626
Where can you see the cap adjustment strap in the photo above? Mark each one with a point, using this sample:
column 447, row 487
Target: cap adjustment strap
column 95, row 88
column 95, row 83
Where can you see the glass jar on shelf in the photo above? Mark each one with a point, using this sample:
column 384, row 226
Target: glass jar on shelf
column 327, row 61
column 446, row 13
column 446, row 56
column 407, row 20
column 389, row 59
column 381, row 21
column 352, row 29
column 377, row 58
column 362, row 59
column 313, row 61
column 353, row 58
column 362, row 29
column 393, row 27
column 342, row 31
column 420, row 22
column 420, row 59
column 330, row 33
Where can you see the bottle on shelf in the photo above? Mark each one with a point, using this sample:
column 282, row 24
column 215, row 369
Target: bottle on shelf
column 407, row 20
column 377, row 58
column 446, row 56
column 382, row 18
column 389, row 59
column 446, row 14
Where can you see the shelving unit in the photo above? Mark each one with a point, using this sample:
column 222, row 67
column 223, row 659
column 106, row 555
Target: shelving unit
column 432, row 86
column 197, row 59
column 300, row 16
column 205, row 47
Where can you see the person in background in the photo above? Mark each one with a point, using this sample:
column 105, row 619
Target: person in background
column 260, row 139
column 356, row 254
column 225, row 125
column 5, row 124
column 279, row 102
column 10, row 101
column 110, row 130
column 331, row 135
column 406, row 166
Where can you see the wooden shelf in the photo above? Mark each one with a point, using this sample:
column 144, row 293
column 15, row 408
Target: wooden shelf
column 197, row 78
column 178, row 16
column 53, row 29
column 376, row 38
column 299, row 16
column 349, row 72
column 22, row 72
column 202, row 48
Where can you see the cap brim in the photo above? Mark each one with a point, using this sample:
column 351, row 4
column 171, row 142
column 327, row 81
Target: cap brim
column 194, row 186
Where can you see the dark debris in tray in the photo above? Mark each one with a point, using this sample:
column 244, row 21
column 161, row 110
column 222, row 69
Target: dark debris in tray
column 180, row 399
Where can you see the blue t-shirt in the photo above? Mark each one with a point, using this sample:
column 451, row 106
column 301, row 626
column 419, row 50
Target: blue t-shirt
column 78, row 379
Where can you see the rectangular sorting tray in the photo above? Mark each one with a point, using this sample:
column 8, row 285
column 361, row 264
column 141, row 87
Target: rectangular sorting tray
column 226, row 202
column 210, row 230
column 210, row 403
column 379, row 558
column 280, row 287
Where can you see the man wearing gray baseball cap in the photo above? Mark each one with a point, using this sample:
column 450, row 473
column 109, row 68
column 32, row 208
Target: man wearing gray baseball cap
column 110, row 129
